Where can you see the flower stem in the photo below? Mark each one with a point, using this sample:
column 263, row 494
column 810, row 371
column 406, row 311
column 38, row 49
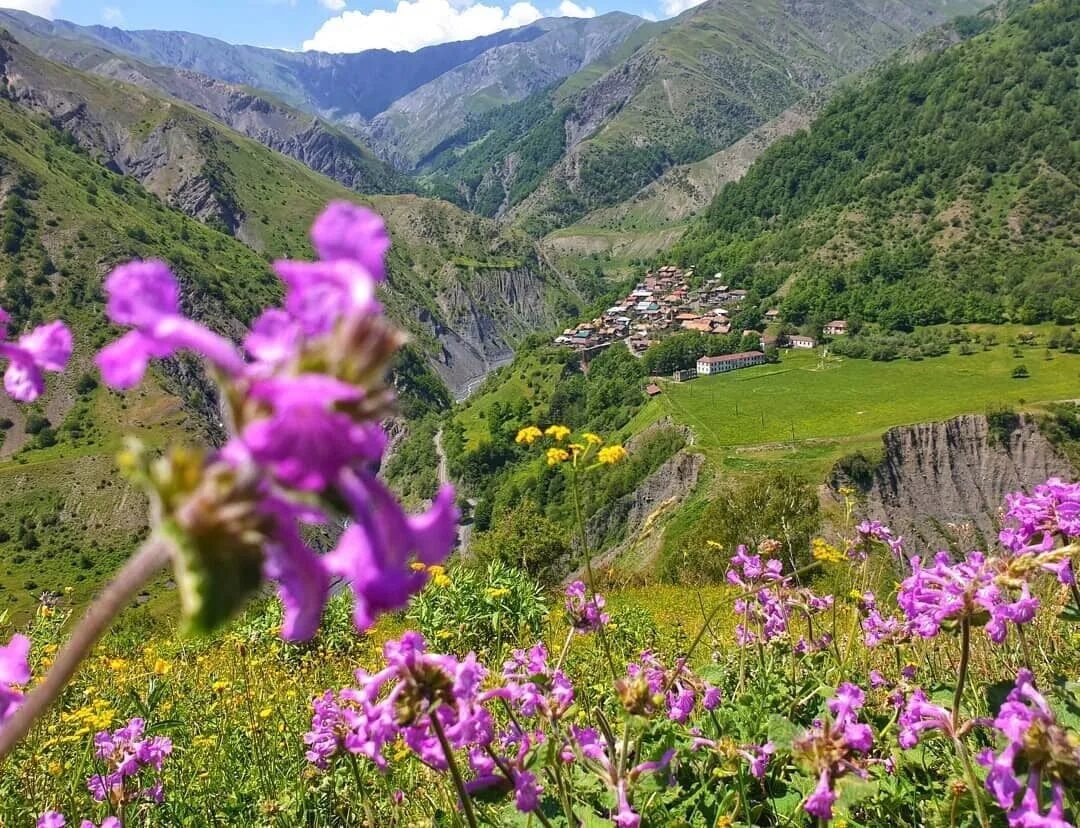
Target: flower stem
column 972, row 781
column 140, row 567
column 580, row 520
column 455, row 771
column 961, row 679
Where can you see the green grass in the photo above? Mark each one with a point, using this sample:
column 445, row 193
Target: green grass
column 523, row 380
column 804, row 414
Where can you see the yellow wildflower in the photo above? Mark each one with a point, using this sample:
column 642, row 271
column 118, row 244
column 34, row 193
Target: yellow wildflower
column 117, row 664
column 609, row 455
column 825, row 552
column 559, row 432
column 593, row 439
column 266, row 713
column 444, row 634
column 162, row 667
column 576, row 448
column 528, row 435
column 496, row 592
column 556, row 456
column 714, row 544
column 416, row 566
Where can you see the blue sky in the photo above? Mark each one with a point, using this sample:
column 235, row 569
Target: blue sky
column 334, row 25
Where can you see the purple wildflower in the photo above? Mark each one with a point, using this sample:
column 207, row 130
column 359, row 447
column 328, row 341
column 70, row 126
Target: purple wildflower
column 920, row 715
column 305, row 408
column 46, row 348
column 14, row 669
column 948, row 591
column 146, row 297
column 584, row 611
column 602, row 759
column 127, row 753
column 1037, row 744
column 534, row 688
column 829, row 749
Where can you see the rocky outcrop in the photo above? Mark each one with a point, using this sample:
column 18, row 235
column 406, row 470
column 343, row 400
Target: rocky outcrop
column 478, row 319
column 940, row 482
column 626, row 524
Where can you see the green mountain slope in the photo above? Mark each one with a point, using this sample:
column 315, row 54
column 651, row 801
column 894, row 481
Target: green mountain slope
column 65, row 516
column 947, row 189
column 701, row 83
column 465, row 288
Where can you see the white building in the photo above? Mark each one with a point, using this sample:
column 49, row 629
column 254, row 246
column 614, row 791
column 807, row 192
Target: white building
column 728, row 362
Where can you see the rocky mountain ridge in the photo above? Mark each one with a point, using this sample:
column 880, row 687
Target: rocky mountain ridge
column 942, row 484
column 465, row 288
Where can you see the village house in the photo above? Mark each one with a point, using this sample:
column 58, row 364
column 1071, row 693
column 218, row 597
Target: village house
column 684, row 374
column 709, row 365
column 652, row 389
column 772, row 315
column 801, row 342
column 838, row 327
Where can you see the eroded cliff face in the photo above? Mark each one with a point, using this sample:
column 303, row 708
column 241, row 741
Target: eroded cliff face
column 944, row 483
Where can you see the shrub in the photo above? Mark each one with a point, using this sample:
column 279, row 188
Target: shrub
column 483, row 610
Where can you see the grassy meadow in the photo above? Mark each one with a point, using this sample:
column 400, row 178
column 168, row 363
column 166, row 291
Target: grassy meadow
column 807, row 411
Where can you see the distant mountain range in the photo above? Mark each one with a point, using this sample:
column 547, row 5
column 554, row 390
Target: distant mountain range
column 539, row 125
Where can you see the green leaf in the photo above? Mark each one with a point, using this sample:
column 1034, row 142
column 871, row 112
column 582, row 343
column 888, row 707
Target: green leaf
column 782, row 732
column 214, row 580
column 590, row 820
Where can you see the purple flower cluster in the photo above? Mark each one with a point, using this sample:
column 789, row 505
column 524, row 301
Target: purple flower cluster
column 951, row 591
column 305, row 405
column 874, row 530
column 1037, row 746
column 586, row 612
column 534, row 687
column 55, row 819
column 766, row 615
column 602, row 757
column 920, row 715
column 830, row 748
column 879, row 629
column 14, row 669
column 1036, row 522
column 127, row 753
column 650, row 687
column 46, row 348
column 413, row 695
column 756, row 756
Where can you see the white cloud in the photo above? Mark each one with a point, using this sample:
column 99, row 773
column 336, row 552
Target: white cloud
column 333, row 5
column 112, row 15
column 568, row 8
column 413, row 25
column 42, row 8
column 673, row 7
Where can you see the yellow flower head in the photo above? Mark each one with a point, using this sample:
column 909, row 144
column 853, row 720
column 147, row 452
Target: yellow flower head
column 593, row 439
column 416, row 566
column 559, row 432
column 162, row 667
column 528, row 435
column 609, row 455
column 496, row 592
column 825, row 552
column 556, row 456
column 576, row 448
column 714, row 544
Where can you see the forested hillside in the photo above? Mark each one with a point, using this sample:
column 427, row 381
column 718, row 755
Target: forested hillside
column 946, row 189
column 696, row 86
